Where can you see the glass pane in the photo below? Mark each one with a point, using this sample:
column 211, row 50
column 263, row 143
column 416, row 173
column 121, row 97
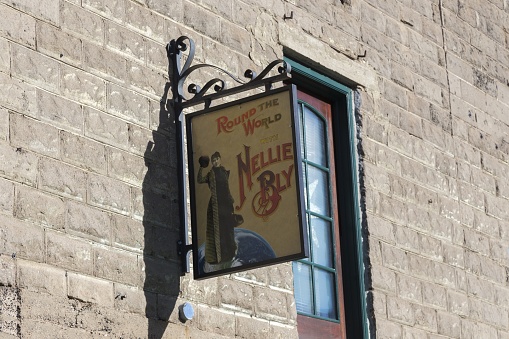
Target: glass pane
column 318, row 186
column 321, row 239
column 315, row 138
column 302, row 286
column 325, row 294
column 301, row 131
column 305, row 184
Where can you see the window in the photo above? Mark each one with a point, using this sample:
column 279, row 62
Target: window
column 328, row 304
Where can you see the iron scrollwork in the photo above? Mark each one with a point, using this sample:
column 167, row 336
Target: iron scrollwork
column 200, row 94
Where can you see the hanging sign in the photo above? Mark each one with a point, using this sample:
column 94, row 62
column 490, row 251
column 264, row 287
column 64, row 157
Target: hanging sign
column 245, row 184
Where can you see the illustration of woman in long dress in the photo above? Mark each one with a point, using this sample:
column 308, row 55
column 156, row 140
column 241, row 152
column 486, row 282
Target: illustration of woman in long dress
column 220, row 245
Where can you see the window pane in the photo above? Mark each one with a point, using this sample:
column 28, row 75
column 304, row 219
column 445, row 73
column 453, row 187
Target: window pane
column 301, row 131
column 315, row 138
column 325, row 294
column 302, row 286
column 321, row 241
column 305, row 184
column 318, row 186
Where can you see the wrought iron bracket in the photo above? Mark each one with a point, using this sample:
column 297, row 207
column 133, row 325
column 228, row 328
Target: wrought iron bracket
column 196, row 94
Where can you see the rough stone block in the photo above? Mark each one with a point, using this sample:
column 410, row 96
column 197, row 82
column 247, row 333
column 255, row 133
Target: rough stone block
column 376, row 40
column 62, row 179
column 425, row 318
column 458, row 303
column 477, row 242
column 17, row 94
column 161, row 242
column 83, row 87
column 202, row 20
column 58, row 44
column 22, row 239
column 4, row 126
column 6, row 197
column 390, row 208
column 434, row 295
column 237, row 38
column 206, row 291
column 216, row 321
column 104, row 62
column 48, row 330
column 127, row 41
column 431, row 247
column 68, row 252
column 156, row 55
column 270, row 304
column 128, row 232
column 496, row 206
column 39, row 207
column 174, row 11
column 249, row 327
column 488, row 313
column 101, row 321
column 47, row 10
column 471, row 329
column 33, row 135
column 105, row 128
column 480, row 288
column 59, row 111
column 145, row 21
column 35, row 67
column 155, row 207
column 114, row 9
column 147, row 80
column 409, row 288
column 109, row 193
column 135, row 300
column 89, row 289
column 7, row 270
column 281, row 276
column 236, row 294
column 400, row 141
column 9, row 311
column 389, row 159
column 88, row 221
column 384, row 278
column 41, row 278
column 83, row 152
column 128, row 105
column 407, row 238
column 400, row 310
column 18, row 164
column 127, row 167
column 483, row 180
column 388, row 329
column 5, row 56
column 161, row 276
column 17, row 26
column 448, row 324
column 454, row 255
column 152, row 145
column 119, row 266
column 81, row 22
column 282, row 331
column 402, row 75
column 161, row 178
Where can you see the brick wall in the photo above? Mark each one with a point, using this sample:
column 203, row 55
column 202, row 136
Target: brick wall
column 88, row 199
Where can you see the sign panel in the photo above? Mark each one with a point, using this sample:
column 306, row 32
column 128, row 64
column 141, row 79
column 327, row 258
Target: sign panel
column 245, row 184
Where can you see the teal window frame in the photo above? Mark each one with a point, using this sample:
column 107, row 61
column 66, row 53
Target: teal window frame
column 314, row 266
column 345, row 150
